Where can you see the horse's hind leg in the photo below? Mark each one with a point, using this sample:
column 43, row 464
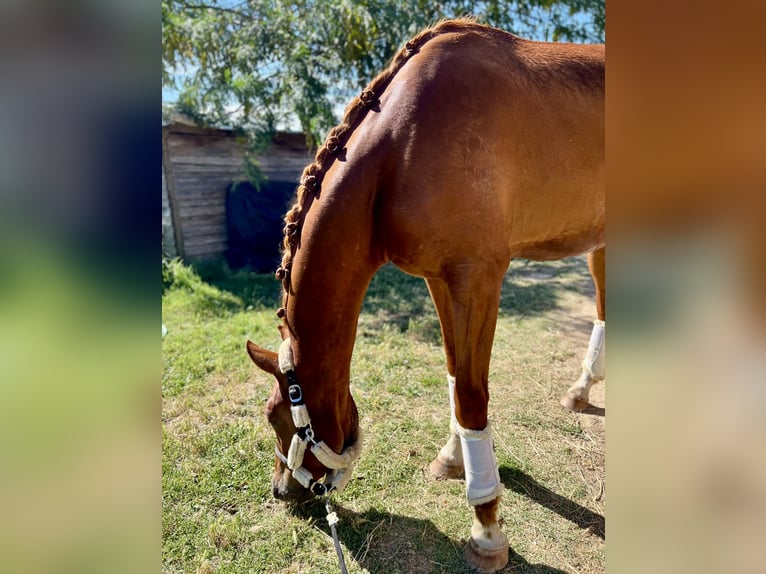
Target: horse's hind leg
column 593, row 366
column 473, row 297
column 449, row 462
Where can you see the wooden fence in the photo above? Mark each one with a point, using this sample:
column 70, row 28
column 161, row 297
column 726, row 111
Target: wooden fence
column 197, row 166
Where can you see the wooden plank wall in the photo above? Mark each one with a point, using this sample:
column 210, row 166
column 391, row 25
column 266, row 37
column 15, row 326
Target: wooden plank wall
column 169, row 247
column 203, row 163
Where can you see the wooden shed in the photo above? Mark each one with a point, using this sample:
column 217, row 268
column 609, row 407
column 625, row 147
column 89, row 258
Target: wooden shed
column 198, row 164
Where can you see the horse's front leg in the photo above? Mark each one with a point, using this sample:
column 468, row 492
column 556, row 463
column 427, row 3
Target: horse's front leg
column 449, row 462
column 474, row 294
column 487, row 548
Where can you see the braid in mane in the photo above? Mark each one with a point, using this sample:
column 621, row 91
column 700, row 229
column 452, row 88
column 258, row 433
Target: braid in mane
column 311, row 179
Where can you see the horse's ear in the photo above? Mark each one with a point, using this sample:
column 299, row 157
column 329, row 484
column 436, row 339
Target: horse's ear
column 265, row 359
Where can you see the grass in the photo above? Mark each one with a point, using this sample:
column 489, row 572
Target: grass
column 218, row 512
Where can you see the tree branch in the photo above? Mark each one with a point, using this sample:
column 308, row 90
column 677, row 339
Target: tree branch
column 216, row 8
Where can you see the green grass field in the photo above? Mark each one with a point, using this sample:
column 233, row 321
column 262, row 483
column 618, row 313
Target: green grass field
column 218, row 511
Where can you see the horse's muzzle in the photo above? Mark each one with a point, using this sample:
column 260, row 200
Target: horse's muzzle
column 286, row 488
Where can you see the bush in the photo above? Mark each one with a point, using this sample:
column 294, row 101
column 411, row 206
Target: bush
column 206, row 298
column 177, row 275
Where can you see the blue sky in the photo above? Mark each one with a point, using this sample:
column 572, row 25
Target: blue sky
column 169, row 95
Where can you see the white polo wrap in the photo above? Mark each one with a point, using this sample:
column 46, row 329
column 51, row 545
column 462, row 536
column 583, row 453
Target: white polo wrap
column 482, row 478
column 594, row 363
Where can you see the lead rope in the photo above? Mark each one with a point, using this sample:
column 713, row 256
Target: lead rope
column 304, row 434
column 332, row 520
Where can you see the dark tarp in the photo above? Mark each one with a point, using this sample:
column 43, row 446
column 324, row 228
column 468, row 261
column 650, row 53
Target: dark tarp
column 254, row 220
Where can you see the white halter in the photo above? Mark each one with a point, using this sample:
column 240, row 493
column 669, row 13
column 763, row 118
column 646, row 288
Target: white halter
column 341, row 464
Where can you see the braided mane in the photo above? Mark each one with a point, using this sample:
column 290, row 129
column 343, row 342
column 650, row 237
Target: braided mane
column 355, row 112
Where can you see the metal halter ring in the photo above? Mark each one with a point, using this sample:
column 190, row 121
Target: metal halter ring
column 308, row 434
column 295, row 394
column 319, row 489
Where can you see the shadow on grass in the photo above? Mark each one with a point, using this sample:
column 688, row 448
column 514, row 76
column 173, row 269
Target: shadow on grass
column 396, row 298
column 522, row 483
column 257, row 290
column 529, row 288
column 382, row 542
column 534, row 287
column 403, row 301
column 595, row 411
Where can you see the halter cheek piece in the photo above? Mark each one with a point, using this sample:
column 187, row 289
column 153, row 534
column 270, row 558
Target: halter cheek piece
column 341, row 464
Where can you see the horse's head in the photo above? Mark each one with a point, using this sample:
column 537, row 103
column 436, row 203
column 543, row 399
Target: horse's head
column 302, row 458
column 277, row 411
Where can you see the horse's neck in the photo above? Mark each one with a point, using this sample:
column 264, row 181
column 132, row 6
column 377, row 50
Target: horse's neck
column 330, row 274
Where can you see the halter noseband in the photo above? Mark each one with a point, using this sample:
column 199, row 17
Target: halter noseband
column 341, row 464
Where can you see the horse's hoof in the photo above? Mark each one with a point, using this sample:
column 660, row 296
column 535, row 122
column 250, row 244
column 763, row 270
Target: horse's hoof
column 485, row 560
column 574, row 404
column 441, row 471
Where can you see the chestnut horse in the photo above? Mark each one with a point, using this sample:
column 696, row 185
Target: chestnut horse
column 473, row 147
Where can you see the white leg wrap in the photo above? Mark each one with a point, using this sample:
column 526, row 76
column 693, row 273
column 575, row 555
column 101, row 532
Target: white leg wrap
column 594, row 363
column 482, row 479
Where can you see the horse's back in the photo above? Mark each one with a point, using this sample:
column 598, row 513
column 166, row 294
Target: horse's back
column 490, row 146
